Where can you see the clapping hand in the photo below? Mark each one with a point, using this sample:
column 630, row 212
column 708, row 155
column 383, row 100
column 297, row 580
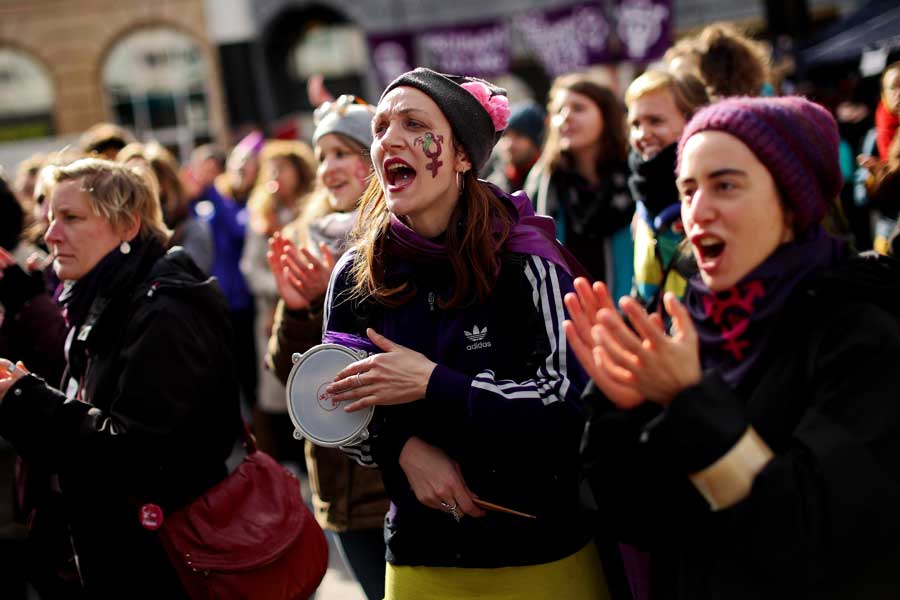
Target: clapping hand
column 300, row 277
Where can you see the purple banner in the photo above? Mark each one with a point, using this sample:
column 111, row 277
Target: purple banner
column 392, row 54
column 567, row 39
column 644, row 27
column 478, row 50
column 564, row 39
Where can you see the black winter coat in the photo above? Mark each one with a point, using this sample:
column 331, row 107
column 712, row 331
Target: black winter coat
column 822, row 518
column 156, row 416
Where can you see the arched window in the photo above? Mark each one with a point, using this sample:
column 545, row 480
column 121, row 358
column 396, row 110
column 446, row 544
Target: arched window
column 300, row 42
column 26, row 97
column 155, row 84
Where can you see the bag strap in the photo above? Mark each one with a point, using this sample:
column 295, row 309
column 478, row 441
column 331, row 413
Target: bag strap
column 249, row 440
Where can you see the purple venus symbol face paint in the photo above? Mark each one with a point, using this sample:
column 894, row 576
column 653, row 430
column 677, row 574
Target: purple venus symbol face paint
column 431, row 146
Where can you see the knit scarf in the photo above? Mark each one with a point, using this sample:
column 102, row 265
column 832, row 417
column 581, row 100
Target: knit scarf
column 736, row 325
column 78, row 295
column 528, row 234
column 652, row 185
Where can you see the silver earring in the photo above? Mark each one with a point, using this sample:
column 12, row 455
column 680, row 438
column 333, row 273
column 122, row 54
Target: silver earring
column 460, row 181
column 124, row 247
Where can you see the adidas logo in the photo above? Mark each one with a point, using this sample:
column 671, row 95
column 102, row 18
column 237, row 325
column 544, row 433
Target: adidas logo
column 477, row 336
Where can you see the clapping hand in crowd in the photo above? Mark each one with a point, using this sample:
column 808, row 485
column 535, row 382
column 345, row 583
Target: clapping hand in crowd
column 632, row 364
column 301, row 278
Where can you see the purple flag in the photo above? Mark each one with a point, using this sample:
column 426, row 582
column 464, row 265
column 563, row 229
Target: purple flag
column 567, row 39
column 644, row 27
column 480, row 50
column 392, row 54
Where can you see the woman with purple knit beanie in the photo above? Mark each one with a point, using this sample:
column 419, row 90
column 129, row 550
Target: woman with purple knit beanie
column 754, row 449
column 456, row 289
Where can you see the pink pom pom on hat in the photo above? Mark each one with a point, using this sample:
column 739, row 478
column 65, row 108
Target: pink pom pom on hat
column 497, row 106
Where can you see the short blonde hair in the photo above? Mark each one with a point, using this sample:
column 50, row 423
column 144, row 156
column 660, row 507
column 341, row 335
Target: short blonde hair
column 687, row 91
column 119, row 193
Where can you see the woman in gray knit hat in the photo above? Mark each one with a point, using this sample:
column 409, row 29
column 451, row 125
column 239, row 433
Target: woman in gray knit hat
column 349, row 500
column 455, row 288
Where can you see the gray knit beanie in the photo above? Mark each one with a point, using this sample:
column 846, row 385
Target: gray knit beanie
column 347, row 116
column 476, row 109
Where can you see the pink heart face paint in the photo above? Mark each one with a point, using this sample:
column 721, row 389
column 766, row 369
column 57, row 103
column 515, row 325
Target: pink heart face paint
column 431, row 146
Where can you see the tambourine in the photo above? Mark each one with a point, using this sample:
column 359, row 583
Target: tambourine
column 315, row 416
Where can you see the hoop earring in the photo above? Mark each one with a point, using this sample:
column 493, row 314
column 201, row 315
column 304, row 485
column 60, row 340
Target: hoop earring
column 124, row 247
column 461, row 181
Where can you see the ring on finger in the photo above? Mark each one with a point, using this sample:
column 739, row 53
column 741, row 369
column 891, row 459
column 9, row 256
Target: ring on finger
column 359, row 382
column 452, row 509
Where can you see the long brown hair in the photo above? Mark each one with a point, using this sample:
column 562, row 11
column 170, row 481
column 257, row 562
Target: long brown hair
column 614, row 138
column 472, row 249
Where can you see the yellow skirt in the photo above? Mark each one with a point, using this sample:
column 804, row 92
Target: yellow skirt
column 579, row 577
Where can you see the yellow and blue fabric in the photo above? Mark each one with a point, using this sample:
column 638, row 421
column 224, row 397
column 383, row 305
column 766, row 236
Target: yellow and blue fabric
column 579, row 575
column 655, row 250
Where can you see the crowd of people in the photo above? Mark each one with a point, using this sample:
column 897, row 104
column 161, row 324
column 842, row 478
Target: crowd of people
column 619, row 346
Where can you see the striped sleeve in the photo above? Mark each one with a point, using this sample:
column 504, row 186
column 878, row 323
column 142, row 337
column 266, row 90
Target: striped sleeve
column 537, row 402
column 337, row 317
column 551, row 383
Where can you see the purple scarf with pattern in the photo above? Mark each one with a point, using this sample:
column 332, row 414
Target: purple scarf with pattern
column 735, row 325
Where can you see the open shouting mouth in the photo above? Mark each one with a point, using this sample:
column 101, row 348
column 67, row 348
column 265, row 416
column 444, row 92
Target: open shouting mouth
column 398, row 174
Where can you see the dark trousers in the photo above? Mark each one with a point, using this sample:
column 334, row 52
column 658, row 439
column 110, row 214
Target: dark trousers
column 363, row 551
column 245, row 353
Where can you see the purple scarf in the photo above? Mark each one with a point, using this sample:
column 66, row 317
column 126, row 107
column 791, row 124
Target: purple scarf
column 735, row 326
column 529, row 234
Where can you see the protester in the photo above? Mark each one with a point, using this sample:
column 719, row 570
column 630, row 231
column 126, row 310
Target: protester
column 224, row 206
column 104, row 140
column 772, row 398
column 206, row 162
column 31, row 325
column 189, row 232
column 520, row 147
column 348, row 499
column 458, row 286
column 287, row 176
column 659, row 105
column 729, row 62
column 581, row 178
column 149, row 414
column 887, row 114
column 882, row 181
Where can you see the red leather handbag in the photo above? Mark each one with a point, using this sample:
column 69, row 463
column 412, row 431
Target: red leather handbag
column 250, row 536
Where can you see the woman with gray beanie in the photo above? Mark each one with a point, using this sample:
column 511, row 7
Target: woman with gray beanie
column 349, row 499
column 455, row 289
column 753, row 450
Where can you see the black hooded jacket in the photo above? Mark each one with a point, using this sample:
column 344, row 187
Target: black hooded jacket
column 151, row 416
column 822, row 518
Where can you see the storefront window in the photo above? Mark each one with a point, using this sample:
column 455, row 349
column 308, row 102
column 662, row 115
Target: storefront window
column 26, row 97
column 155, row 85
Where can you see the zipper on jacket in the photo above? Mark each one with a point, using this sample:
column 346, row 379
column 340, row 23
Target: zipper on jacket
column 431, row 298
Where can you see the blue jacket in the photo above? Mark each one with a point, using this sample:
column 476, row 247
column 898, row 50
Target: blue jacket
column 227, row 220
column 502, row 402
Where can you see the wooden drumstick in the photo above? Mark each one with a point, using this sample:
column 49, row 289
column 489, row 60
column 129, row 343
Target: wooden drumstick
column 491, row 506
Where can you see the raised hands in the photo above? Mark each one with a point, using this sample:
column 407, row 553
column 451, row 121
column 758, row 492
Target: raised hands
column 436, row 479
column 397, row 376
column 300, row 277
column 9, row 374
column 631, row 366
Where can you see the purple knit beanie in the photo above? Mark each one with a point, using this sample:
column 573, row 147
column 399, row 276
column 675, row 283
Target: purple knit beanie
column 795, row 139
